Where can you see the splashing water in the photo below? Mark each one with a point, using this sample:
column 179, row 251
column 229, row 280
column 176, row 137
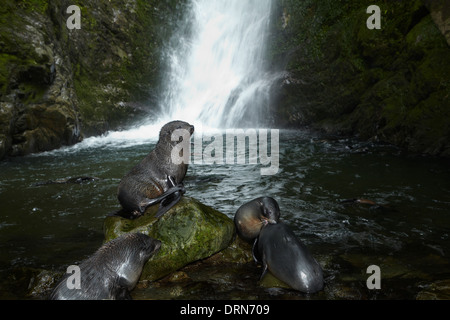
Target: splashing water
column 217, row 76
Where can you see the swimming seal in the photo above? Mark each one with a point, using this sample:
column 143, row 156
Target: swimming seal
column 253, row 215
column 112, row 272
column 288, row 259
column 156, row 179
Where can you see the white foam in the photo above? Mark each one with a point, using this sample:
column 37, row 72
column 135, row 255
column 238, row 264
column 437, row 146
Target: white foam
column 219, row 73
column 213, row 77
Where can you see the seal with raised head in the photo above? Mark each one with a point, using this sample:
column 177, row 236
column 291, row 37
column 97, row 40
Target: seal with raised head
column 111, row 272
column 287, row 258
column 253, row 215
column 156, row 179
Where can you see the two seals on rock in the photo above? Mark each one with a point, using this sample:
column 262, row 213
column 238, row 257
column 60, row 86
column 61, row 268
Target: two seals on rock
column 113, row 271
column 156, row 179
column 277, row 247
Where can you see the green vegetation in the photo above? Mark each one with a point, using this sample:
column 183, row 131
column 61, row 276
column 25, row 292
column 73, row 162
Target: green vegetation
column 39, row 6
column 345, row 78
column 102, row 77
column 341, row 77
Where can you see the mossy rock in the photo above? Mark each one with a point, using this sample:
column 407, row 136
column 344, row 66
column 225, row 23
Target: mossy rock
column 388, row 85
column 190, row 231
column 238, row 252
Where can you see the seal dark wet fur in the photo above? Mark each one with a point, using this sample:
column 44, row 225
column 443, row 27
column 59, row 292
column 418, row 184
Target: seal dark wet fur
column 288, row 259
column 253, row 215
column 156, row 179
column 113, row 271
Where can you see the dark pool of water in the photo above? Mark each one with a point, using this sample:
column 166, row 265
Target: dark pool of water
column 50, row 226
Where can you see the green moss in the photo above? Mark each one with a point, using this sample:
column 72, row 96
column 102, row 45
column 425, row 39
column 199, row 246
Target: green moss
column 425, row 36
column 39, row 6
column 345, row 78
column 428, row 122
column 432, row 73
column 115, row 62
column 6, row 63
column 20, row 73
column 189, row 232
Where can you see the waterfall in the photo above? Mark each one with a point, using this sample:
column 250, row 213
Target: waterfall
column 216, row 75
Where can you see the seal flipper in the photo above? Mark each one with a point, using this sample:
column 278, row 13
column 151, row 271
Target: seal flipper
column 121, row 291
column 172, row 198
column 123, row 294
column 264, row 271
column 255, row 252
column 178, row 190
column 168, row 202
column 125, row 214
column 149, row 202
column 265, row 266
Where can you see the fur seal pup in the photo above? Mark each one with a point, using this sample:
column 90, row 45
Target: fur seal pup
column 287, row 258
column 156, row 179
column 113, row 271
column 253, row 215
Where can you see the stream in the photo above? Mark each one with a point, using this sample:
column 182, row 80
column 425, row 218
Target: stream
column 48, row 226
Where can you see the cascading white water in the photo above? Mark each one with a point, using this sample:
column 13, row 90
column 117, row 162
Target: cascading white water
column 217, row 76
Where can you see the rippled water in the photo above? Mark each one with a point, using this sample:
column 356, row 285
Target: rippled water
column 50, row 226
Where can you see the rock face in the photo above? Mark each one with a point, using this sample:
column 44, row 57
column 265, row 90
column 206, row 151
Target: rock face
column 389, row 84
column 440, row 13
column 38, row 105
column 190, row 231
column 59, row 84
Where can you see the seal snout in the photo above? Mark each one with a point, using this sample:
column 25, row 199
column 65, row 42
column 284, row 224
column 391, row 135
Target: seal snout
column 191, row 129
column 266, row 221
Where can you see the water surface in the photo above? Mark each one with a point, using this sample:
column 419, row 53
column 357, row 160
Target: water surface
column 51, row 226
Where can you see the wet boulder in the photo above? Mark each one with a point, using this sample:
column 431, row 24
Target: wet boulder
column 439, row 290
column 189, row 232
